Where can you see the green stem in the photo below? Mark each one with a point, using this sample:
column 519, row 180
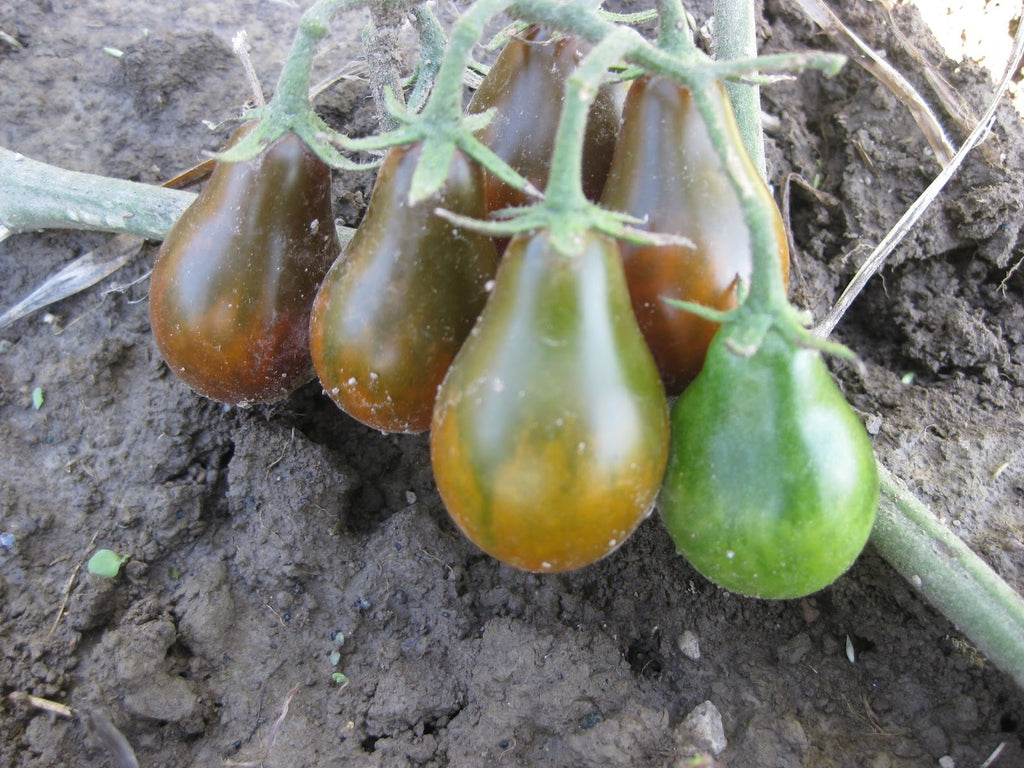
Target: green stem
column 291, row 96
column 290, row 109
column 383, row 57
column 767, row 290
column 446, row 99
column 570, row 17
column 736, row 38
column 954, row 579
column 432, row 47
column 674, row 33
column 35, row 195
column 565, row 184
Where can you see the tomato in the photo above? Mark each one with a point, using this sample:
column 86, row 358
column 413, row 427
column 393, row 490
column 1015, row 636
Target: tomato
column 771, row 488
column 235, row 278
column 665, row 170
column 396, row 307
column 550, row 433
column 526, row 87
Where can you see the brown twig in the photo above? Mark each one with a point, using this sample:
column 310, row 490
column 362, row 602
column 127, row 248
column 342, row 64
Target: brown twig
column 902, row 227
column 272, row 735
column 67, row 589
column 240, row 47
column 860, row 52
column 104, row 731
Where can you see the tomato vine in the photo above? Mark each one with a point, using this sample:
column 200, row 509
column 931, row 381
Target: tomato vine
column 764, row 325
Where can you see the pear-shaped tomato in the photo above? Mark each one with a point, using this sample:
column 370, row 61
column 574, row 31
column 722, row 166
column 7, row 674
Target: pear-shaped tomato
column 526, row 88
column 550, row 432
column 666, row 171
column 771, row 488
column 235, row 278
column 396, row 307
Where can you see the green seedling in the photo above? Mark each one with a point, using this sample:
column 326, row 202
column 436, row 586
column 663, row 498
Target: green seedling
column 338, row 639
column 37, row 398
column 106, row 563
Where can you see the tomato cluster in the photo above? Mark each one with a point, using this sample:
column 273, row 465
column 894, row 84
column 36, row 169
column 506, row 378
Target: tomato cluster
column 542, row 374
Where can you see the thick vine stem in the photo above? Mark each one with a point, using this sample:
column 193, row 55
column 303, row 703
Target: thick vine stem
column 34, row 195
column 383, row 55
column 954, row 579
column 736, row 38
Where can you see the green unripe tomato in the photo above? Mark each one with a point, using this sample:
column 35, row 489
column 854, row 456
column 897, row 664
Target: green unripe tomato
column 771, row 488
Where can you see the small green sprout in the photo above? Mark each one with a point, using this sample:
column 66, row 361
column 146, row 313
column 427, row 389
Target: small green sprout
column 106, row 563
column 37, row 398
column 338, row 639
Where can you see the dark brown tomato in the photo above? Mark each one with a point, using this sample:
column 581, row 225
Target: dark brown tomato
column 235, row 278
column 396, row 307
column 526, row 87
column 666, row 170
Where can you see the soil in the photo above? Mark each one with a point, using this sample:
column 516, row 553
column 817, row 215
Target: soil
column 264, row 539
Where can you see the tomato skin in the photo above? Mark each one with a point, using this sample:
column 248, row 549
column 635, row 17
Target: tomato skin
column 550, row 433
column 771, row 488
column 526, row 87
column 665, row 170
column 235, row 278
column 396, row 307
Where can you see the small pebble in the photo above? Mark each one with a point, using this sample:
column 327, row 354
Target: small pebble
column 689, row 644
column 703, row 728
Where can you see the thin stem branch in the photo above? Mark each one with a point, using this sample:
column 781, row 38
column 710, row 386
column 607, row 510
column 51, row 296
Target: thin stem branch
column 291, row 96
column 565, row 187
column 674, row 33
column 767, row 289
column 432, row 46
column 447, row 95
